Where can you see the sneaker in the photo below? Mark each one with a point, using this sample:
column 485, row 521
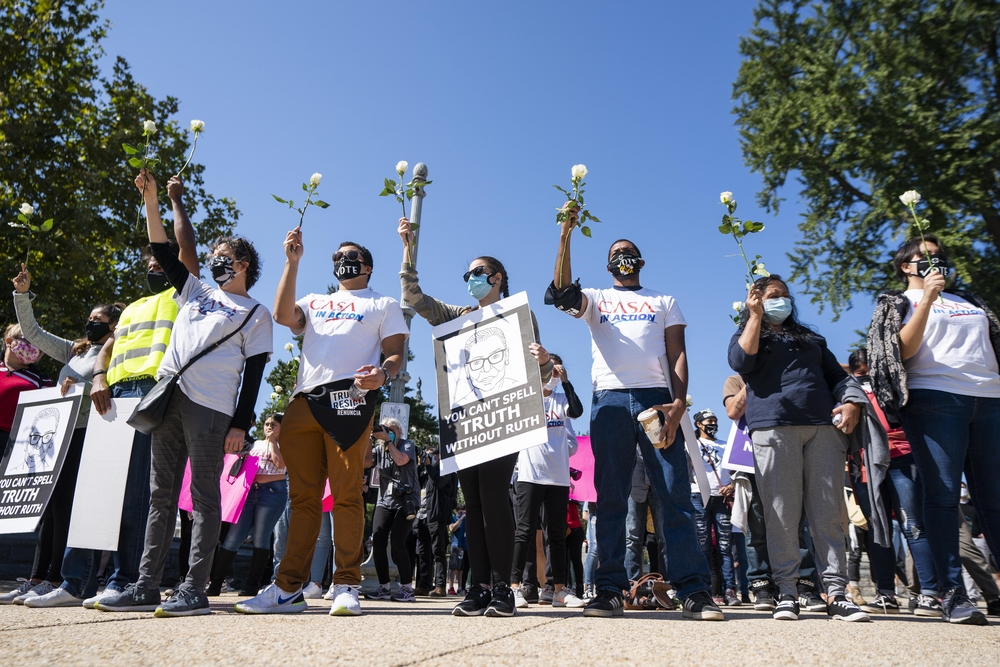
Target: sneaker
column 530, row 593
column 956, row 608
column 745, row 598
column 451, row 590
column 732, row 600
column 185, row 602
column 43, row 588
column 882, row 604
column 855, row 592
column 719, row 600
column 502, row 604
column 329, row 595
column 438, row 592
column 57, row 597
column 842, row 609
column 380, row 593
column 588, row 592
column 133, row 598
column 787, row 609
column 519, row 600
column 810, row 600
column 927, row 606
column 701, row 607
column 461, row 592
column 106, row 593
column 8, row 597
column 605, row 604
column 546, row 595
column 273, row 600
column 345, row 600
column 993, row 607
column 764, row 600
column 475, row 603
column 404, row 594
column 421, row 591
column 312, row 591
column 566, row 598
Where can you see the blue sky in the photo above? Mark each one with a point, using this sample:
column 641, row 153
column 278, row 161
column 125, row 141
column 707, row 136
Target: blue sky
column 499, row 100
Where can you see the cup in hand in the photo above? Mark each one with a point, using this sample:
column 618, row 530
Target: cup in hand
column 652, row 424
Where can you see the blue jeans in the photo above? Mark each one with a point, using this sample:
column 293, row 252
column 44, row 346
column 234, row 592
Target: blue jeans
column 264, row 506
column 635, row 527
column 79, row 565
column 614, row 434
column 948, row 433
column 590, row 565
column 281, row 535
column 324, row 544
column 739, row 541
column 718, row 515
column 907, row 496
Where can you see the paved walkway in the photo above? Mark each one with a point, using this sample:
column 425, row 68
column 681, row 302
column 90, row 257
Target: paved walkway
column 425, row 634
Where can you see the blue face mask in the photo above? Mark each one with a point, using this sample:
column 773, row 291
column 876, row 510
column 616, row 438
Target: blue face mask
column 777, row 310
column 479, row 286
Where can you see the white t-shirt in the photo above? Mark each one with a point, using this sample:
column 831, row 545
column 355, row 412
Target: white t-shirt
column 626, row 327
column 343, row 332
column 956, row 354
column 549, row 463
column 205, row 315
column 711, row 454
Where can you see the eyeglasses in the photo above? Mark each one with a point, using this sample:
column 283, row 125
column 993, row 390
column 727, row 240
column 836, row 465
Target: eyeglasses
column 352, row 255
column 45, row 438
column 494, row 359
column 478, row 271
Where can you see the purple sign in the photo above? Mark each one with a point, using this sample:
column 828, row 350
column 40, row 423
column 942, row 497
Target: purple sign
column 739, row 448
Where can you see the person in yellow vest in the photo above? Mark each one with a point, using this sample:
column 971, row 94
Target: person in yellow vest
column 126, row 368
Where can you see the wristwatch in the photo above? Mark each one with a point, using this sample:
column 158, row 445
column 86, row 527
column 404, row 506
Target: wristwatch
column 388, row 378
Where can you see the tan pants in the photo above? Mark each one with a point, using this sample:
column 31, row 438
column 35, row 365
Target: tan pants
column 311, row 457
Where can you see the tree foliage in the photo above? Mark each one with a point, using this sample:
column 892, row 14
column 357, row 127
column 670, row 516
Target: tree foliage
column 62, row 126
column 861, row 100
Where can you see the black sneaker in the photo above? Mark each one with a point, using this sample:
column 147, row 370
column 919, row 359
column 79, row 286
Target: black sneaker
column 133, row 598
column 842, row 609
column 475, row 603
column 502, row 604
column 787, row 609
column 993, row 607
column 701, row 607
column 605, row 605
column 745, row 598
column 186, row 601
column 763, row 599
column 956, row 608
column 926, row 605
column 530, row 593
column 882, row 604
column 810, row 600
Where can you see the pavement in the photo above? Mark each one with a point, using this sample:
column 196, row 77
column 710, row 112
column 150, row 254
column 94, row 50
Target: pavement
column 424, row 633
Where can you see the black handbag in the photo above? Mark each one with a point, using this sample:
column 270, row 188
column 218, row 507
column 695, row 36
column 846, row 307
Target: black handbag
column 149, row 413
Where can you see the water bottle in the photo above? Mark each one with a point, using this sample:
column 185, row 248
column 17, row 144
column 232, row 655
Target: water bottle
column 356, row 393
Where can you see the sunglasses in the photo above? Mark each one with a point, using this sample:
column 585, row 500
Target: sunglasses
column 478, row 271
column 351, row 255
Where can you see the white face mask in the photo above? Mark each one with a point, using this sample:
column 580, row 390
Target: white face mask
column 551, row 384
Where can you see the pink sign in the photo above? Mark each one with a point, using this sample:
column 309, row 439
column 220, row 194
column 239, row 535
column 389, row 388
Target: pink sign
column 583, row 489
column 234, row 489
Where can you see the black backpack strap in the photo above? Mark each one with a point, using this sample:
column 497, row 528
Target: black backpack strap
column 224, row 339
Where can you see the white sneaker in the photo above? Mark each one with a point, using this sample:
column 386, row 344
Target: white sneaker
column 106, row 593
column 312, row 591
column 43, row 588
column 273, row 600
column 519, row 601
column 8, row 598
column 345, row 601
column 566, row 598
column 57, row 597
column 329, row 595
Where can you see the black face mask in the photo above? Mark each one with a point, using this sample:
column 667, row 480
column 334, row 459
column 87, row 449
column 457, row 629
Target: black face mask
column 624, row 265
column 97, row 330
column 346, row 269
column 157, row 281
column 863, row 380
column 924, row 267
column 710, row 429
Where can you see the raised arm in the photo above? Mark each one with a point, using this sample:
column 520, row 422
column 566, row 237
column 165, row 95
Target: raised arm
column 154, row 223
column 911, row 335
column 183, row 229
column 286, row 311
column 58, row 348
column 562, row 277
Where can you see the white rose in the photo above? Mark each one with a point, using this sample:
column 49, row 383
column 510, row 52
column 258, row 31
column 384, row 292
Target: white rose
column 288, row 347
column 726, row 197
column 909, row 198
column 738, row 306
column 315, row 178
column 273, row 396
column 27, row 209
column 401, row 167
column 689, row 401
column 278, row 388
column 197, row 126
column 148, row 127
column 578, row 171
column 761, row 271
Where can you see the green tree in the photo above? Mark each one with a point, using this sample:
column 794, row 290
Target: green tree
column 861, row 100
column 62, row 126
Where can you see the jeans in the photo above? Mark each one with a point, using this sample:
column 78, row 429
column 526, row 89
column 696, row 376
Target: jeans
column 718, row 515
column 950, row 433
column 51, row 545
column 740, row 554
column 614, row 433
column 281, row 535
column 635, row 532
column 590, row 565
column 324, row 545
column 264, row 506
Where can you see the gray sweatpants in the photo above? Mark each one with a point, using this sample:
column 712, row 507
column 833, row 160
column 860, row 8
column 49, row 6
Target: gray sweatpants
column 803, row 466
column 188, row 430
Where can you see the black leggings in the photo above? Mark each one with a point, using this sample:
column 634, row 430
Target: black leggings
column 489, row 523
column 530, row 498
column 574, row 557
column 388, row 522
column 51, row 543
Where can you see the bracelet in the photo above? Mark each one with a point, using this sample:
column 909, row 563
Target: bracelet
column 388, row 378
column 98, row 372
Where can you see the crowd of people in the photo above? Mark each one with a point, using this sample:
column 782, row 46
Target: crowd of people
column 846, row 457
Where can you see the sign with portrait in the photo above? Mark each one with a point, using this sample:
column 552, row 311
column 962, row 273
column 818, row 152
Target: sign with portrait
column 489, row 386
column 33, row 458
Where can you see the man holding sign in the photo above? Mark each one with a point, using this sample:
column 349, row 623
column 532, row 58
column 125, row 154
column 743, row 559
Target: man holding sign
column 639, row 363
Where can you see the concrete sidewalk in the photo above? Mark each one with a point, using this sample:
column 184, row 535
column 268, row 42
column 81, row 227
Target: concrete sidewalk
column 424, row 633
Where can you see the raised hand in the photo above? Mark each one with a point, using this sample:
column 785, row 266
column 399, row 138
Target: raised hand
column 293, row 245
column 22, row 283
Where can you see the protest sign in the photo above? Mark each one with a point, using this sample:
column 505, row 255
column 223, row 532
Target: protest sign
column 739, row 448
column 398, row 411
column 489, row 386
column 234, row 489
column 694, row 455
column 583, row 489
column 33, row 458
column 100, row 484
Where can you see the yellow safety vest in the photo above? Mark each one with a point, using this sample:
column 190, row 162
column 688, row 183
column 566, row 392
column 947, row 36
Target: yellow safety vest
column 142, row 337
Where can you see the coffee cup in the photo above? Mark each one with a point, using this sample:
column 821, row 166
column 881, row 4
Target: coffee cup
column 652, row 424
